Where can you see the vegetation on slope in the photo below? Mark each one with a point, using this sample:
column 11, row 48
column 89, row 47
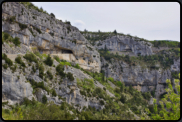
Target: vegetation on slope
column 170, row 104
column 164, row 43
column 96, row 36
column 163, row 58
column 115, row 108
column 30, row 5
column 9, row 39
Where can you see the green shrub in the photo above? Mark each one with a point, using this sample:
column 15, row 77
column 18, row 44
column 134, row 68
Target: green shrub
column 151, row 108
column 50, row 75
column 26, row 101
column 22, row 26
column 104, row 88
column 98, row 90
column 82, row 92
column 8, row 61
column 7, row 111
column 5, row 66
column 12, row 19
column 57, row 59
column 122, row 86
column 54, row 93
column 41, row 85
column 30, row 29
column 60, row 70
column 5, row 35
column 123, row 98
column 77, row 66
column 146, row 95
column 19, row 60
column 49, row 60
column 153, row 93
column 30, row 57
column 52, row 15
column 37, row 29
column 4, row 56
column 101, row 102
column 44, row 99
column 16, row 41
column 14, row 68
column 111, row 79
column 67, row 22
column 65, row 63
column 33, row 69
column 70, row 76
column 38, row 85
column 38, row 54
column 41, row 71
column 117, row 90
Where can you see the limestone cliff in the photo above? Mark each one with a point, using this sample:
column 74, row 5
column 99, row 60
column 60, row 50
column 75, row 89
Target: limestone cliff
column 48, row 34
column 141, row 78
column 122, row 43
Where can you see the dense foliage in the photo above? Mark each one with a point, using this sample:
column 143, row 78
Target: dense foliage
column 170, row 104
column 30, row 5
column 164, row 43
column 49, row 60
column 30, row 57
column 20, row 61
column 163, row 58
column 7, row 38
column 96, row 36
column 7, row 60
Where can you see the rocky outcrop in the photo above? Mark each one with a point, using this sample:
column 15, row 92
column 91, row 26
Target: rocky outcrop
column 176, row 66
column 124, row 43
column 14, row 49
column 142, row 79
column 15, row 87
column 48, row 34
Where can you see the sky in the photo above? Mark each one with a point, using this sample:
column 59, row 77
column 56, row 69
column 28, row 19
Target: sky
column 148, row 20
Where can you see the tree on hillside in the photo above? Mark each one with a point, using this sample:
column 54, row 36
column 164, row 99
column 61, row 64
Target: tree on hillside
column 122, row 87
column 170, row 104
column 49, row 60
column 85, row 30
column 52, row 15
column 41, row 8
column 115, row 32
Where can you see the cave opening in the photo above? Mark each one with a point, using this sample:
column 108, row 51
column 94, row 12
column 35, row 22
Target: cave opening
column 67, row 51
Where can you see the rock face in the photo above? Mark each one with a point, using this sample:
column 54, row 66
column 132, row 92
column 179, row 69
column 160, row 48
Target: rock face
column 48, row 34
column 124, row 43
column 14, row 49
column 142, row 79
column 51, row 36
column 176, row 65
column 14, row 88
column 75, row 97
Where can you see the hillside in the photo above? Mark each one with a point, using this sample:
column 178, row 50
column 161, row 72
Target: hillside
column 53, row 71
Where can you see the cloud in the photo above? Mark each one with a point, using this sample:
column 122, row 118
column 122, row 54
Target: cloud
column 79, row 24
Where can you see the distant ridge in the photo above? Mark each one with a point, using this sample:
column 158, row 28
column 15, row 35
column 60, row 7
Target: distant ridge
column 166, row 40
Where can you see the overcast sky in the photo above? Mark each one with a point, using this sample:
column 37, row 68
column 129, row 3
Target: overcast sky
column 148, row 20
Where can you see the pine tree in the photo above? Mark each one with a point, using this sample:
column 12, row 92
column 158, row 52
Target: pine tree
column 115, row 32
